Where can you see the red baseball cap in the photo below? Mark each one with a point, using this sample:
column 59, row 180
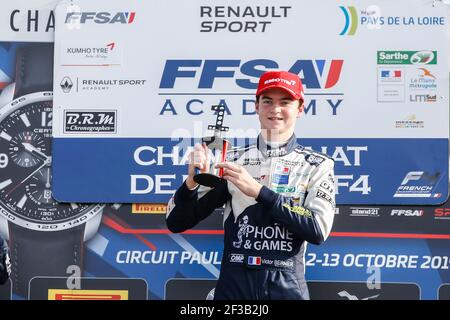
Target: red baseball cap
column 288, row 81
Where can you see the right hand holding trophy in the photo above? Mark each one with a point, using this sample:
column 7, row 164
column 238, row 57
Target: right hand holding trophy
column 206, row 172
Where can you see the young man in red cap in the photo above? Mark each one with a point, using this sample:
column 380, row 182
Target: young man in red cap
column 277, row 196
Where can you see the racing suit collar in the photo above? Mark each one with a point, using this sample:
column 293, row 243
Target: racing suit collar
column 281, row 150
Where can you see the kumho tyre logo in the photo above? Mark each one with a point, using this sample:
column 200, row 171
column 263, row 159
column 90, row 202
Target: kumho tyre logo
column 351, row 21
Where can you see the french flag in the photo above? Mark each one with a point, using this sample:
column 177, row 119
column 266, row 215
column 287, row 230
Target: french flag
column 254, row 261
column 437, row 195
column 391, row 73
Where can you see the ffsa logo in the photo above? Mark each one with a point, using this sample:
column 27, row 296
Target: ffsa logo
column 317, row 74
column 100, row 17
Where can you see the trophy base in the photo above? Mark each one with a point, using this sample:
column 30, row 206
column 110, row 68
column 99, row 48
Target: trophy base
column 207, row 179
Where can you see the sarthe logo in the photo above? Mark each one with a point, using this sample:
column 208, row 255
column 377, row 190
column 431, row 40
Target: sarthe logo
column 423, row 57
column 351, row 21
column 407, row 57
column 100, row 17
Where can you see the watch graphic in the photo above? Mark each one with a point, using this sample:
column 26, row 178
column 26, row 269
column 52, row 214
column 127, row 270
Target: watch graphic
column 45, row 237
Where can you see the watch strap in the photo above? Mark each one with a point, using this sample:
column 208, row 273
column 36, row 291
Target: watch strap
column 5, row 267
column 34, row 69
column 38, row 253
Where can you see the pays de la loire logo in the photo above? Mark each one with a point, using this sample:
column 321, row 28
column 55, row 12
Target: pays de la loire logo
column 351, row 21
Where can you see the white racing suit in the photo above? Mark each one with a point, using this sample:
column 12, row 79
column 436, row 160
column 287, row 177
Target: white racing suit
column 265, row 238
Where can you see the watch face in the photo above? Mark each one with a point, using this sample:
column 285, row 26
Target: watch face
column 25, row 166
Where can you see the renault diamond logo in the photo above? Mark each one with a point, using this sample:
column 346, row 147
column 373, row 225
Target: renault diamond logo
column 66, row 84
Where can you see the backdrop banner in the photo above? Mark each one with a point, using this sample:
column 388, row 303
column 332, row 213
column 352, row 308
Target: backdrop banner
column 135, row 82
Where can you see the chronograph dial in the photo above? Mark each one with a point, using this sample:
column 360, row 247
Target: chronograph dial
column 45, row 236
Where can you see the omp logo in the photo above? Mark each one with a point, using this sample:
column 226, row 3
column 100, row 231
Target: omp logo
column 407, row 213
column 88, row 121
column 351, row 21
column 442, row 213
column 237, row 258
column 100, row 17
column 317, row 74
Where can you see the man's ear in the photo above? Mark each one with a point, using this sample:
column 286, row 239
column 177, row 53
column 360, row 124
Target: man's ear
column 301, row 107
column 257, row 107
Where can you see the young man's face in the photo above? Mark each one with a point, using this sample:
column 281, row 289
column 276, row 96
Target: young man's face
column 278, row 113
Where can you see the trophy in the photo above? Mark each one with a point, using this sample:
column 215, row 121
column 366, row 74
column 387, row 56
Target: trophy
column 219, row 147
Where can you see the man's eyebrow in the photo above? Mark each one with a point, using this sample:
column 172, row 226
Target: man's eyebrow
column 265, row 97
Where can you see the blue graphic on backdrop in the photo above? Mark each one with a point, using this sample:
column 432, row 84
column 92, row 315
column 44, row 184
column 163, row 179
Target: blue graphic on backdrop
column 368, row 171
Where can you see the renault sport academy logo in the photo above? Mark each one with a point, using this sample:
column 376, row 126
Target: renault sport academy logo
column 351, row 21
column 100, row 17
column 66, row 84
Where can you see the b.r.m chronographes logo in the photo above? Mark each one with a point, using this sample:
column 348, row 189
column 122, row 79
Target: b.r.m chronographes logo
column 90, row 121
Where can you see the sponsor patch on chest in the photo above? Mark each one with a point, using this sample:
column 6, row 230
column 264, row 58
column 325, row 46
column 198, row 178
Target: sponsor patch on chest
column 280, row 175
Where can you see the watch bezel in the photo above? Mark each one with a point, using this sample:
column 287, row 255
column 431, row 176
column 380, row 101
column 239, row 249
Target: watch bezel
column 84, row 216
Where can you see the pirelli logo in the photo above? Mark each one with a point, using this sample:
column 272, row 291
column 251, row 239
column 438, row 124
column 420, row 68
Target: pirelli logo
column 149, row 208
column 90, row 121
column 62, row 294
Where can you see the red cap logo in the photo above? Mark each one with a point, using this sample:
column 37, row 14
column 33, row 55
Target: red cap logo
column 290, row 82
